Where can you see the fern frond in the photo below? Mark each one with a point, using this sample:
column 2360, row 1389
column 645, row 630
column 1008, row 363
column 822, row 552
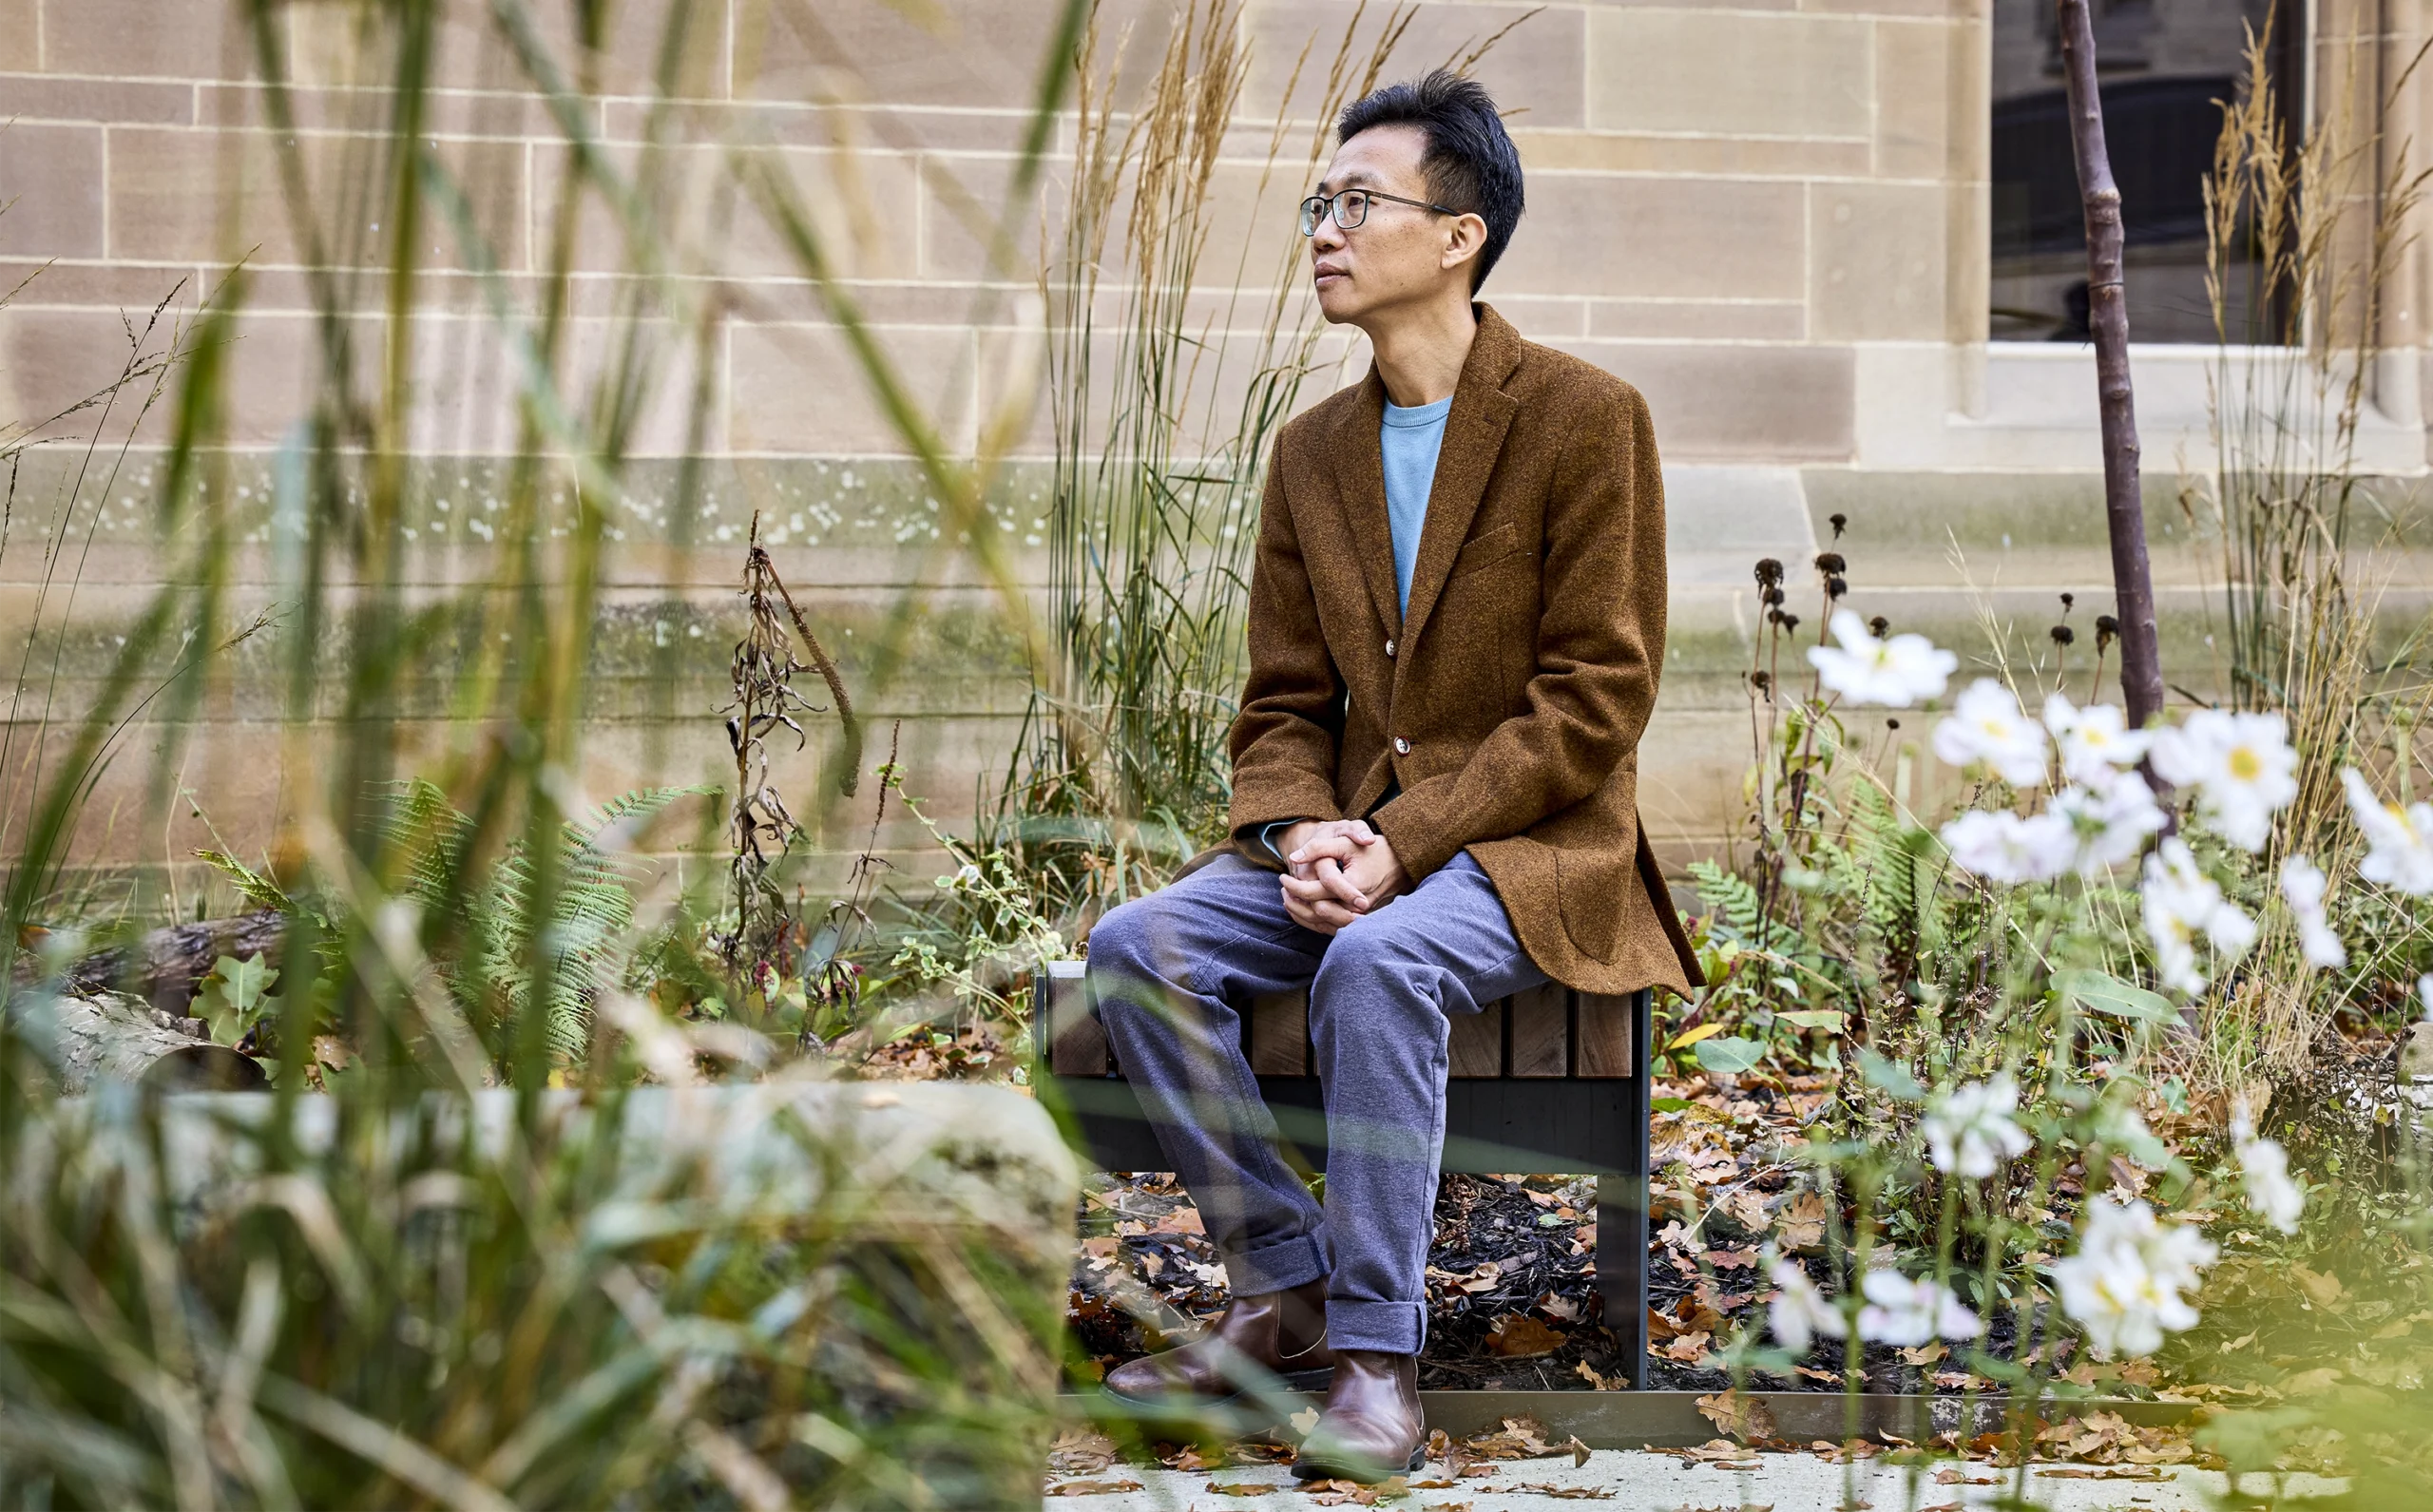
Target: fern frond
column 255, row 888
column 642, row 803
column 1732, row 898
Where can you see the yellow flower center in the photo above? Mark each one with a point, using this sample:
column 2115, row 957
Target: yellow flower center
column 2245, row 764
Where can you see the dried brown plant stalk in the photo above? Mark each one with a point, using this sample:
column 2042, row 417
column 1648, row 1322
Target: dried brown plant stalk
column 762, row 829
column 1165, row 398
column 2325, row 223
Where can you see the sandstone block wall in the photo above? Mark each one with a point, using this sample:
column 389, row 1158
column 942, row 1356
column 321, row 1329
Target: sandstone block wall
column 1770, row 216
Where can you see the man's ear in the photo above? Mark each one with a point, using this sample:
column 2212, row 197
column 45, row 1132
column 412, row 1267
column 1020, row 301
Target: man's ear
column 1464, row 240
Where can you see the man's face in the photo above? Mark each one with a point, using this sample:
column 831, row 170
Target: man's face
column 1401, row 253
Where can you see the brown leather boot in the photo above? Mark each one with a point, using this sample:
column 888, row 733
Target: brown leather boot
column 1372, row 1426
column 1254, row 1340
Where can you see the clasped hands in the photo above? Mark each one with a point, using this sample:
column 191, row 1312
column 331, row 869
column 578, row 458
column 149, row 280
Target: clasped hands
column 1336, row 871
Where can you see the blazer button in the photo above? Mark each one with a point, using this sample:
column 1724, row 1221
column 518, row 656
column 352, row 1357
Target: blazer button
column 1402, row 747
column 1390, row 648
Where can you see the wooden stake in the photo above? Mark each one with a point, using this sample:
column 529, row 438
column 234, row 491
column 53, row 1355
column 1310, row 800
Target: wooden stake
column 2133, row 583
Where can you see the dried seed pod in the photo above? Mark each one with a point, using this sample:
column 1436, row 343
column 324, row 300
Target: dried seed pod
column 2068, row 600
column 2107, row 630
column 1769, row 572
column 1791, row 621
column 1775, row 597
column 1835, row 586
column 1762, row 682
column 2062, row 635
column 1830, row 562
column 1892, row 724
column 1773, row 617
column 1878, row 626
column 1837, row 522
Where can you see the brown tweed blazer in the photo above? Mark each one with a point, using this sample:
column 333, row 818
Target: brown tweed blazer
column 1510, row 704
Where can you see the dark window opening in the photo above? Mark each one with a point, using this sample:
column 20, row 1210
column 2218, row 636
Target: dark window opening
column 2162, row 66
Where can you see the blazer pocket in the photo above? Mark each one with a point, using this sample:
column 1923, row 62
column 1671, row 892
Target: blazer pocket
column 1487, row 550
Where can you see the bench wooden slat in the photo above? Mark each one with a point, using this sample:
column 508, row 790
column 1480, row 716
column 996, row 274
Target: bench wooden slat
column 1541, row 1031
column 1280, row 1034
column 1605, row 1036
column 1477, row 1045
column 1076, row 1042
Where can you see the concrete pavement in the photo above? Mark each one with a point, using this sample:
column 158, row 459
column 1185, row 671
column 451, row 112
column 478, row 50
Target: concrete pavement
column 1637, row 1480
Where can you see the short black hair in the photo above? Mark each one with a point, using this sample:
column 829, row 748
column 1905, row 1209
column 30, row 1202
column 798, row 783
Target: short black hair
column 1470, row 163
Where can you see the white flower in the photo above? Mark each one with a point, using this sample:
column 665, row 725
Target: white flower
column 2263, row 1175
column 1900, row 1310
column 2304, row 885
column 1799, row 1313
column 2424, row 994
column 2124, row 1285
column 2241, row 765
column 1969, row 1128
column 2108, row 825
column 1999, row 846
column 2180, row 903
column 2399, row 841
column 1986, row 725
column 2096, row 742
column 1895, row 672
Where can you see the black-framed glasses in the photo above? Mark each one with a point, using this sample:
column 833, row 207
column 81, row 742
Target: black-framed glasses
column 1351, row 207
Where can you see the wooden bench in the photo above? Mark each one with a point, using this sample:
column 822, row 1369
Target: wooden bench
column 1549, row 1081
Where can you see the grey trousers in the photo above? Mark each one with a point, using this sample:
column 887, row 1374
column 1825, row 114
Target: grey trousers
column 1171, row 976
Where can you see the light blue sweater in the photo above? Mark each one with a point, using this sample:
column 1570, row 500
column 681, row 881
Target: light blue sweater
column 1407, row 444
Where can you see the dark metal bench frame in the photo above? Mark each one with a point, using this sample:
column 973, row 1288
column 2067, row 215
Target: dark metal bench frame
column 1551, row 1081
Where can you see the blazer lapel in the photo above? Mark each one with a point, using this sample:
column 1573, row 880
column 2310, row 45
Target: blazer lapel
column 1473, row 440
column 1360, row 494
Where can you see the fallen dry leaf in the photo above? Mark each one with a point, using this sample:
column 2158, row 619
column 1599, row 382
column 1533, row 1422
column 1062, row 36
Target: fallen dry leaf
column 1518, row 1439
column 1565, row 1493
column 1351, row 1493
column 1081, row 1451
column 1093, row 1487
column 1689, row 1349
column 1800, row 1224
column 1241, row 1488
column 1519, row 1337
column 1720, row 1453
column 1743, row 1417
column 2322, row 1288
column 1602, row 1383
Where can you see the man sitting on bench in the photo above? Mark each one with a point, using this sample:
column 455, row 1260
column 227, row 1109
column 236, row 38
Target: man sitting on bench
column 1456, row 621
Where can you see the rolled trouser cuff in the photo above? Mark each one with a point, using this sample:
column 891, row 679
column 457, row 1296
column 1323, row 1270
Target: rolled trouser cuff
column 1278, row 1267
column 1391, row 1327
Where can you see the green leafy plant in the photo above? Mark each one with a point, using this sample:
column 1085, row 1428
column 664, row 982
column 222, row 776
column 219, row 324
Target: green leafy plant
column 235, row 997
